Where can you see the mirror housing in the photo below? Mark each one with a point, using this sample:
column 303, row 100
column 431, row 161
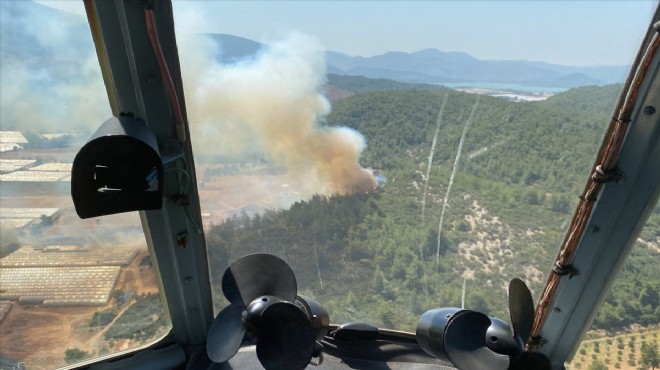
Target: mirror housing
column 119, row 170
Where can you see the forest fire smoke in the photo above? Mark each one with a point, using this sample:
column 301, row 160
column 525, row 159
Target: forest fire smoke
column 273, row 102
column 50, row 80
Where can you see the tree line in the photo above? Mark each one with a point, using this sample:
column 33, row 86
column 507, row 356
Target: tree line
column 383, row 258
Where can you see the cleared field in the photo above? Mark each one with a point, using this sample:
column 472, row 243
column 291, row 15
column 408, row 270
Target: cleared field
column 11, row 165
column 27, row 212
column 15, row 223
column 12, row 137
column 20, row 217
column 70, row 255
column 621, row 351
column 59, row 286
column 40, row 335
column 225, row 196
column 56, row 167
column 34, row 176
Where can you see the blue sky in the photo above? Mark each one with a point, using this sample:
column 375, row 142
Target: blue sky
column 561, row 32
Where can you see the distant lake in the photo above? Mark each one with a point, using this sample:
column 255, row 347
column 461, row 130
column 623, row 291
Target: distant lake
column 504, row 86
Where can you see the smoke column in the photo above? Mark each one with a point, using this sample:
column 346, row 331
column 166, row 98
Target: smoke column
column 272, row 102
column 50, row 79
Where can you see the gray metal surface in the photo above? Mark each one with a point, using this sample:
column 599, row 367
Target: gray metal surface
column 246, row 359
column 618, row 217
column 133, row 81
column 134, row 85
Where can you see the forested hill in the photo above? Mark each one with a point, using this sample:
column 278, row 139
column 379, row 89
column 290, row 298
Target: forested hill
column 587, row 100
column 375, row 257
column 360, row 84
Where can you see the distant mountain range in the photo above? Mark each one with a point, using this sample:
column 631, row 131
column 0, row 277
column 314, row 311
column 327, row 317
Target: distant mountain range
column 428, row 66
column 433, row 66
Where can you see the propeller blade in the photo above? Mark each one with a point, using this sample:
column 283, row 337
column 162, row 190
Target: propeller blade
column 521, row 309
column 465, row 343
column 256, row 275
column 286, row 339
column 225, row 334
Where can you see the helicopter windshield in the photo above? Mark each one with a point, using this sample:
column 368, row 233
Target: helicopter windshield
column 399, row 156
column 403, row 157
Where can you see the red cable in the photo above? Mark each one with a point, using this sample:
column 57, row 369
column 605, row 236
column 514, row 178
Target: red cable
column 165, row 75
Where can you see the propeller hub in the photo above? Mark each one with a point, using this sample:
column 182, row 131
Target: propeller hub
column 500, row 339
column 286, row 340
column 261, row 289
column 254, row 312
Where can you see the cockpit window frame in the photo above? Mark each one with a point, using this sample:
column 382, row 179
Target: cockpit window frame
column 133, row 84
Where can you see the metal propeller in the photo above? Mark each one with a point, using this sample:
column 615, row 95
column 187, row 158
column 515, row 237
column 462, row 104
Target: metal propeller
column 465, row 343
column 521, row 309
column 226, row 334
column 258, row 274
column 261, row 289
column 474, row 341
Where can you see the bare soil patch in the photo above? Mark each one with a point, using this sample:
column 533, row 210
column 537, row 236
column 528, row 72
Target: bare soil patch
column 39, row 334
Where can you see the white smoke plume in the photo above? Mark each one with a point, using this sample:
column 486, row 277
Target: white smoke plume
column 273, row 102
column 50, row 79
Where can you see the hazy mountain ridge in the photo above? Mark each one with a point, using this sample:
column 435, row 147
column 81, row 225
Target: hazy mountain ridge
column 428, row 66
column 234, row 48
column 433, row 66
column 33, row 44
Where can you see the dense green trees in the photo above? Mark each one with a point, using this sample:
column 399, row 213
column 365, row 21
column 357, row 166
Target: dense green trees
column 103, row 318
column 633, row 299
column 650, row 356
column 141, row 321
column 372, row 257
column 360, row 84
column 72, row 355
